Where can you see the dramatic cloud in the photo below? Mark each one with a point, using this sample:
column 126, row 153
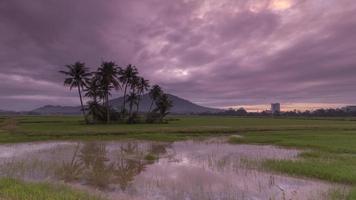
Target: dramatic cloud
column 216, row 53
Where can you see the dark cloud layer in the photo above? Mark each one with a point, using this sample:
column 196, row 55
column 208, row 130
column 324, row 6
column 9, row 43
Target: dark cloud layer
column 217, row 53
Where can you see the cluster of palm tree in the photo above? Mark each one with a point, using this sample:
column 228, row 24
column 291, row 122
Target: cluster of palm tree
column 98, row 87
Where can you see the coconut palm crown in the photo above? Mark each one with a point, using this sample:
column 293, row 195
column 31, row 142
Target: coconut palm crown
column 77, row 75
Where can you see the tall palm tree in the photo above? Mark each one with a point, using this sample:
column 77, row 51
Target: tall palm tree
column 127, row 76
column 77, row 75
column 108, row 74
column 142, row 86
column 94, row 90
column 155, row 93
column 163, row 104
column 96, row 110
column 134, row 84
column 132, row 99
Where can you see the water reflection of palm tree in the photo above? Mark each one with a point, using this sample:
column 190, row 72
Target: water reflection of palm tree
column 158, row 149
column 131, row 148
column 125, row 171
column 91, row 164
column 97, row 166
column 129, row 163
column 72, row 170
column 92, row 152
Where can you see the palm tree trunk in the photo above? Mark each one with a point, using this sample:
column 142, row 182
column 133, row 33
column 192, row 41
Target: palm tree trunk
column 124, row 107
column 151, row 105
column 138, row 102
column 107, row 109
column 81, row 104
column 130, row 111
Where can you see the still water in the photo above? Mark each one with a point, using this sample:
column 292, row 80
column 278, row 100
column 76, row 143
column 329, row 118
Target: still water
column 189, row 170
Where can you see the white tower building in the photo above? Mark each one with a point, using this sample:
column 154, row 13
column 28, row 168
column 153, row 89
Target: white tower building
column 275, row 108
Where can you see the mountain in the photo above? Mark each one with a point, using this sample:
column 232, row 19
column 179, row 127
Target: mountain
column 57, row 110
column 180, row 106
column 7, row 113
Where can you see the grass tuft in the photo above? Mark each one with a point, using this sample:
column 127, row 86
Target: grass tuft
column 151, row 157
column 11, row 189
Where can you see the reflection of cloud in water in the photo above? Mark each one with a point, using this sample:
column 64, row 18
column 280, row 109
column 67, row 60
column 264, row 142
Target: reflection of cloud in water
column 221, row 171
column 185, row 170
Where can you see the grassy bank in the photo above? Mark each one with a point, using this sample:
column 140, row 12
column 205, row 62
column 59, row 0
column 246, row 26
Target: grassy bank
column 17, row 190
column 329, row 155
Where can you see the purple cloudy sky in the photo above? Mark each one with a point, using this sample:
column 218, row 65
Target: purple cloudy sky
column 223, row 53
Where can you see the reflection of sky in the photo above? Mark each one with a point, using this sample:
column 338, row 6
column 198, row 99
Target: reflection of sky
column 10, row 150
column 214, row 169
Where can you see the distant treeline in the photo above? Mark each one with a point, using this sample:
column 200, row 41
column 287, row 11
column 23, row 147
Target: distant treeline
column 330, row 112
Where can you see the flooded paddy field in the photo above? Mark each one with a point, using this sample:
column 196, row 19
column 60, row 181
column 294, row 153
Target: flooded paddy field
column 189, row 170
